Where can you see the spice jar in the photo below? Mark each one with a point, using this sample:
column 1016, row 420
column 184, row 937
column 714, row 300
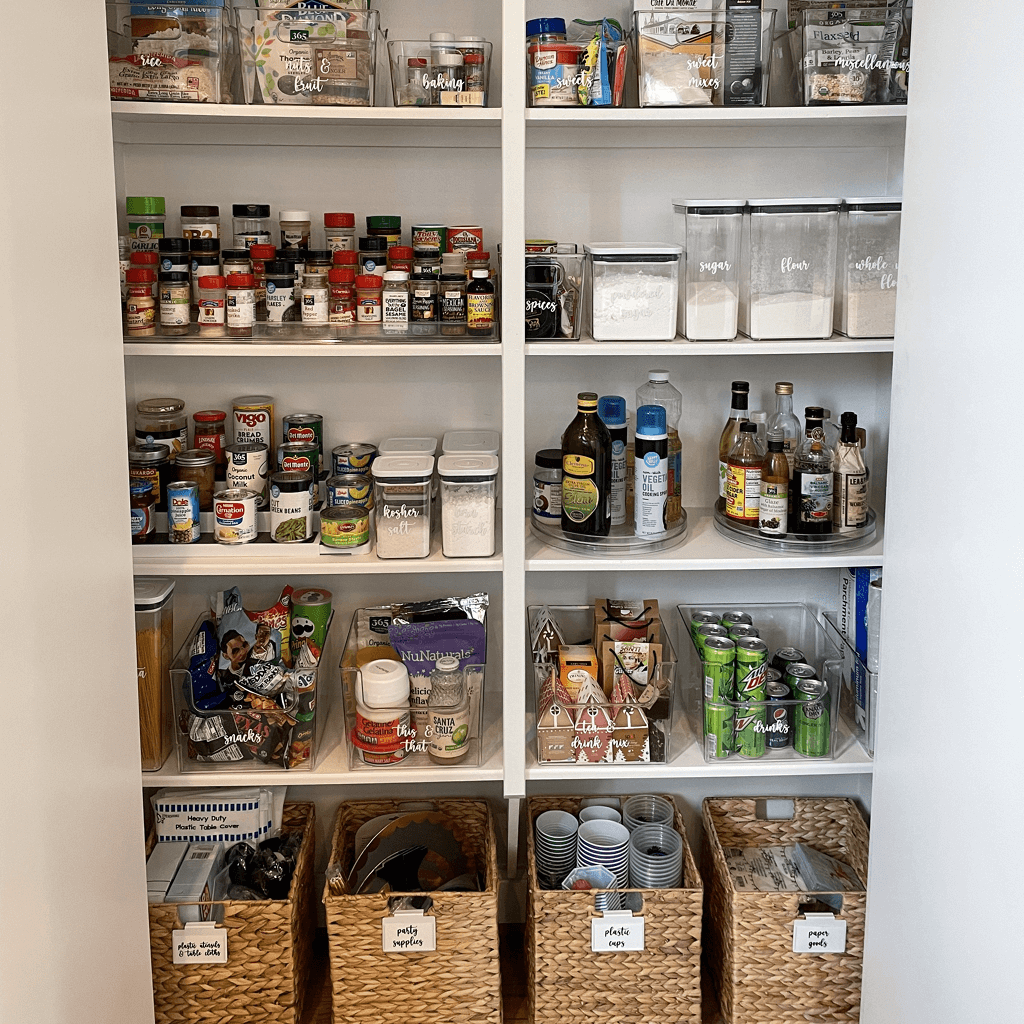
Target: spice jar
column 341, row 301
column 477, row 261
column 235, row 261
column 400, row 258
column 162, row 420
column 241, row 305
column 200, row 465
column 545, row 30
column 259, row 254
column 250, row 223
column 395, row 301
column 140, row 310
column 368, row 298
column 475, row 92
column 174, row 255
column 145, row 222
column 280, row 295
column 297, row 257
column 314, row 297
column 152, row 463
column 547, row 486
column 212, row 306
column 295, row 229
column 340, row 231
column 480, row 304
column 174, row 294
column 373, row 253
column 346, row 258
column 143, row 510
column 426, row 260
column 209, row 435
column 454, row 263
column 423, row 300
column 204, row 256
column 387, row 227
column 468, row 495
column 401, row 486
column 145, row 261
column 449, row 79
column 452, row 304
column 200, row 221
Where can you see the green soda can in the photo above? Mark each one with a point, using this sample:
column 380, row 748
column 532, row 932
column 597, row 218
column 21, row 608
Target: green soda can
column 750, row 726
column 719, row 668
column 751, row 669
column 813, row 721
column 741, row 630
column 311, row 613
column 709, row 629
column 795, row 673
column 718, row 730
column 734, row 618
column 702, row 618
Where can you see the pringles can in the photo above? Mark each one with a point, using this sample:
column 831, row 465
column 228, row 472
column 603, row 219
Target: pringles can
column 311, row 614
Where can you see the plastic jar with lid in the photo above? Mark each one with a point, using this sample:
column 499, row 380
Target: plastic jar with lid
column 400, row 258
column 152, row 463
column 468, row 498
column 209, row 435
column 200, row 222
column 545, row 30
column 395, row 301
column 341, row 301
column 212, row 306
column 340, row 231
column 174, row 294
column 385, row 226
column 250, row 224
column 314, row 297
column 476, row 75
column 143, row 510
column 200, row 465
column 319, row 261
column 259, row 254
column 368, row 298
column 453, row 263
column 145, row 261
column 241, row 305
column 295, row 229
column 547, row 486
column 140, row 310
column 145, row 221
column 204, row 256
column 401, row 499
column 426, row 260
column 478, row 261
column 423, row 302
column 280, row 294
column 235, row 261
column 448, row 79
column 373, row 255
column 451, row 295
column 174, row 258
column 163, row 421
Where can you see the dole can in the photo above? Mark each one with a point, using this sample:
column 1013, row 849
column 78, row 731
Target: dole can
column 248, row 468
column 234, row 516
column 183, row 512
column 253, row 419
column 305, row 428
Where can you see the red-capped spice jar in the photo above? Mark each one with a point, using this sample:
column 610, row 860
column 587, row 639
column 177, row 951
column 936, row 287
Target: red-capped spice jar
column 340, row 231
column 346, row 258
column 368, row 298
column 140, row 307
column 212, row 306
column 400, row 258
column 241, row 305
column 210, row 435
column 478, row 261
column 342, row 299
column 146, row 260
column 259, row 254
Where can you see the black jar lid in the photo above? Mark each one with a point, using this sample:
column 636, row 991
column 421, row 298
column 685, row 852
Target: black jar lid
column 322, row 255
column 454, row 277
column 549, row 458
column 205, row 245
column 235, row 255
column 373, row 243
column 250, row 210
column 279, row 268
column 173, row 277
column 200, row 211
column 174, row 245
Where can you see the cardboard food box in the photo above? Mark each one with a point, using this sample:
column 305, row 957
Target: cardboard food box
column 577, row 664
column 626, row 620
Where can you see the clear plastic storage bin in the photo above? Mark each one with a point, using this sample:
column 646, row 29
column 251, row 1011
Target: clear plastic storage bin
column 450, row 74
column 401, row 498
column 154, row 648
column 867, row 264
column 554, row 292
column 790, row 275
column 634, row 291
column 468, row 502
column 710, row 232
column 708, row 58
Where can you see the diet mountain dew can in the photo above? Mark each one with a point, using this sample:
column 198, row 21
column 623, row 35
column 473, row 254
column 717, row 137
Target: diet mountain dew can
column 741, row 630
column 709, row 629
column 751, row 668
column 813, row 720
column 730, row 619
column 719, row 668
column 702, row 618
column 718, row 730
column 750, row 723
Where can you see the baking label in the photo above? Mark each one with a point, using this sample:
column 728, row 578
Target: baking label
column 618, row 931
column 819, row 933
column 200, row 942
column 408, row 931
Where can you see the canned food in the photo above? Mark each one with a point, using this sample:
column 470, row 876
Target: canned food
column 464, row 238
column 741, row 630
column 291, row 507
column 311, row 613
column 786, row 656
column 796, row 673
column 730, row 619
column 253, row 419
column 812, row 725
column 773, row 675
column 305, row 428
column 708, row 629
column 698, row 619
column 183, row 511
column 428, row 236
column 345, row 526
column 749, row 726
column 718, row 730
column 778, row 732
column 300, row 457
column 152, row 462
column 234, row 516
column 248, row 468
column 751, row 665
column 353, row 457
column 719, row 668
column 349, row 489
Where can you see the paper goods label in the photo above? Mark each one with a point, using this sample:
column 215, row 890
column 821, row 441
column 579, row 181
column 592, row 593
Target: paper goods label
column 819, row 933
column 199, row 943
column 615, row 934
column 409, row 933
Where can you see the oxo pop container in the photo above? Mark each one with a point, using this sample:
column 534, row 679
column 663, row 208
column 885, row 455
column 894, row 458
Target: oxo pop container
column 468, row 499
column 634, row 291
column 790, row 263
column 711, row 233
column 401, row 498
column 154, row 647
column 869, row 252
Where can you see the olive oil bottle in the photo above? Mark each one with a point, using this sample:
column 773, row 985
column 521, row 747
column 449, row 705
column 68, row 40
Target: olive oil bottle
column 586, row 471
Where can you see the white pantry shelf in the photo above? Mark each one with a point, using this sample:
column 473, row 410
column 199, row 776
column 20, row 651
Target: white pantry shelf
column 586, row 346
column 303, row 350
column 716, row 117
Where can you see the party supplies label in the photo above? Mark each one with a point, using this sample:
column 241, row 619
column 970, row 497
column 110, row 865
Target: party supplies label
column 408, row 931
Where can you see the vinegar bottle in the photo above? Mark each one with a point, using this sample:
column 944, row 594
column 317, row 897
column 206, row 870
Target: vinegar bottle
column 849, row 480
column 731, row 433
column 812, row 478
column 658, row 391
column 586, row 471
column 743, row 477
column 773, row 514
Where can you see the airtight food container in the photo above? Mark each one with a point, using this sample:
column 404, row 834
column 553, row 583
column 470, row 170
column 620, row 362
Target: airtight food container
column 468, row 498
column 401, row 491
column 470, row 442
column 869, row 252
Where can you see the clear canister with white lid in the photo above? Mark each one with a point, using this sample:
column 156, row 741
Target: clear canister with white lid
column 867, row 266
column 789, row 283
column 634, row 291
column 711, row 234
column 470, row 442
column 468, row 498
column 401, row 498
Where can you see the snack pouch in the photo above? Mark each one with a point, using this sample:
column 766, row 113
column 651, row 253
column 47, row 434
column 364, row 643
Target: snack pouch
column 604, row 62
column 279, row 617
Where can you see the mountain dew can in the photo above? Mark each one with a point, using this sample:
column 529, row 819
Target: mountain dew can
column 751, row 668
column 741, row 630
column 719, row 668
column 813, row 720
column 709, row 629
column 702, row 618
column 718, row 730
column 750, row 725
column 730, row 619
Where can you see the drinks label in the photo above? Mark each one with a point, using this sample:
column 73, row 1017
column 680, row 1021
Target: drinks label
column 743, row 492
column 580, row 496
column 577, row 465
column 774, row 509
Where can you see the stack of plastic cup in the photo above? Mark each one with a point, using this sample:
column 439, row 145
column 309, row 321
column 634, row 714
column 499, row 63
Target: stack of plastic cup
column 606, row 843
column 555, row 839
column 655, row 857
column 647, row 809
column 605, row 813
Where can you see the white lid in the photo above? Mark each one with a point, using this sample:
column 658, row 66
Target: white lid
column 442, row 37
column 396, row 275
column 449, row 60
column 452, row 466
column 823, row 201
column 873, row 200
column 408, row 446
column 657, row 375
column 151, row 591
column 385, row 683
column 293, row 215
column 470, row 442
column 413, row 467
column 626, row 249
column 470, row 39
column 691, row 203
column 481, row 273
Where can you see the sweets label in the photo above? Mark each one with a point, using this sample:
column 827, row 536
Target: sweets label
column 617, row 932
column 200, row 943
column 819, row 933
column 409, row 932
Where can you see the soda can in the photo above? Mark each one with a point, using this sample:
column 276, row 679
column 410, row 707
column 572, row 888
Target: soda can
column 796, row 673
column 773, row 675
column 234, row 516
column 354, row 457
column 311, row 614
column 741, row 630
column 719, row 668
column 813, row 720
column 248, row 468
column 749, row 724
column 305, row 428
column 701, row 618
column 708, row 629
column 300, row 457
column 718, row 730
column 786, row 656
column 751, row 667
column 779, row 724
column 734, row 618
column 183, row 512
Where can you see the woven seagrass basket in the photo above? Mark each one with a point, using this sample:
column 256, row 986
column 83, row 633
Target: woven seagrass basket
column 570, row 984
column 458, row 983
column 270, row 943
column 757, row 977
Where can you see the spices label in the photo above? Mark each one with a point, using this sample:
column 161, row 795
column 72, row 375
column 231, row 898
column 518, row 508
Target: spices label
column 199, row 942
column 409, row 931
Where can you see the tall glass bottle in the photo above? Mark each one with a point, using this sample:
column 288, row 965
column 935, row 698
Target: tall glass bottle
column 773, row 511
column 812, row 478
column 731, row 433
column 783, row 419
column 658, row 391
column 612, row 410
column 586, row 471
column 849, row 480
column 743, row 477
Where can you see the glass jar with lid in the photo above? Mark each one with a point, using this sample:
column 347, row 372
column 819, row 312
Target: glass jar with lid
column 250, row 223
column 173, row 254
column 212, row 306
column 235, row 261
column 295, row 229
column 373, row 255
column 209, row 435
column 175, row 294
column 143, row 510
column 869, row 249
column 547, row 486
column 423, row 303
column 426, row 260
column 448, row 713
column 341, row 301
column 152, row 463
column 204, row 256
column 200, row 222
column 395, row 301
column 368, row 298
column 401, row 496
column 314, row 297
column 340, row 231
column 200, row 465
column 451, row 294
column 162, row 420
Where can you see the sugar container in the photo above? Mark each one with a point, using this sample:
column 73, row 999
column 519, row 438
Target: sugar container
column 401, row 489
column 869, row 250
column 468, row 493
column 634, row 291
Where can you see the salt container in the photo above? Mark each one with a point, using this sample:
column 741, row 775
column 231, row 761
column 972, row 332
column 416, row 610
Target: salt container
column 468, row 497
column 401, row 497
column 869, row 250
column 710, row 232
column 790, row 256
column 634, row 291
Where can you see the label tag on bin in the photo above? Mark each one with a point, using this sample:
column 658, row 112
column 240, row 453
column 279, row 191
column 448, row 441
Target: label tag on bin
column 409, row 931
column 819, row 933
column 616, row 931
column 199, row 942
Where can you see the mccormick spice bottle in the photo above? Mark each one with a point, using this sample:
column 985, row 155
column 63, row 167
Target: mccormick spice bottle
column 140, row 310
column 342, row 299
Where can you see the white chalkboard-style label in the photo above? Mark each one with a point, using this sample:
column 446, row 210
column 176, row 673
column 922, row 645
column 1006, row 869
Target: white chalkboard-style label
column 408, row 931
column 618, row 931
column 200, row 942
column 819, row 933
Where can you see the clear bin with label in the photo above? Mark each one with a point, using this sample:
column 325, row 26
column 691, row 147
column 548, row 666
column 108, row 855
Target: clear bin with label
column 634, row 291
column 867, row 267
column 401, row 498
column 789, row 277
column 553, row 305
column 455, row 73
column 710, row 232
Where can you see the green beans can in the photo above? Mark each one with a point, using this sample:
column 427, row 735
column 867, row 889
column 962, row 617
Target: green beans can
column 718, row 730
column 813, row 719
column 702, row 618
column 709, row 629
column 291, row 507
column 719, row 668
column 750, row 725
column 751, row 668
